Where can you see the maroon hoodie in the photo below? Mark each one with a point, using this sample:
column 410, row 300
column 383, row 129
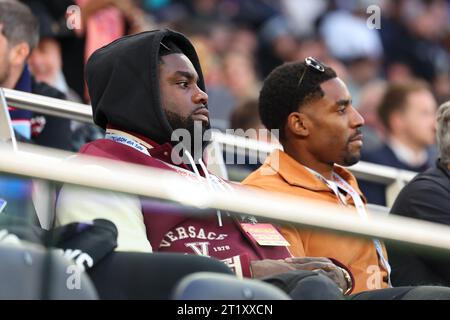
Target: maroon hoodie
column 171, row 228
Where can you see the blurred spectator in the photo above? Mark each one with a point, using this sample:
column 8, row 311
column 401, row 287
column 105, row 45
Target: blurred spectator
column 370, row 99
column 19, row 34
column 240, row 82
column 302, row 15
column 250, row 12
column 246, row 117
column 426, row 197
column 348, row 38
column 244, row 41
column 315, row 47
column 168, row 11
column 240, row 42
column 408, row 113
column 102, row 21
column 45, row 60
column 245, row 122
column 277, row 44
column 240, row 76
column 411, row 37
column 106, row 20
column 441, row 85
column 46, row 66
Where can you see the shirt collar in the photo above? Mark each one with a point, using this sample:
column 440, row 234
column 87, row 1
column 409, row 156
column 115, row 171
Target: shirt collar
column 406, row 155
column 25, row 82
column 297, row 174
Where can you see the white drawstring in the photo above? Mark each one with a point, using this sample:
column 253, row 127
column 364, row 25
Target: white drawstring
column 205, row 171
column 208, row 178
column 193, row 165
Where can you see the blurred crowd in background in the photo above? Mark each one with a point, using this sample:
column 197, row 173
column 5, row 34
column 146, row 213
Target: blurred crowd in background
column 399, row 60
column 241, row 41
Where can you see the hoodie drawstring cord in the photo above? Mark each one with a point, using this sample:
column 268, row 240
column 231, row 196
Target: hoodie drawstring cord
column 208, row 178
column 193, row 165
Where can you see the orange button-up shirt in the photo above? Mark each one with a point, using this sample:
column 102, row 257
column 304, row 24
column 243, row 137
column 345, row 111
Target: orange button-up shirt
column 281, row 173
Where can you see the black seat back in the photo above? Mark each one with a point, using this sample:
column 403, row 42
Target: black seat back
column 214, row 286
column 30, row 272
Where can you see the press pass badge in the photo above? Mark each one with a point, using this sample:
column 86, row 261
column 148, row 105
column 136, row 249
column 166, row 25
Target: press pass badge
column 265, row 234
column 3, row 204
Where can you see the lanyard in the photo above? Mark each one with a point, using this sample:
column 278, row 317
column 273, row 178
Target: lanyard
column 214, row 182
column 141, row 148
column 128, row 142
column 339, row 182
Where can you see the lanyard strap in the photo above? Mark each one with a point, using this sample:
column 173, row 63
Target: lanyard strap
column 128, row 142
column 214, row 182
column 361, row 209
column 339, row 182
column 143, row 149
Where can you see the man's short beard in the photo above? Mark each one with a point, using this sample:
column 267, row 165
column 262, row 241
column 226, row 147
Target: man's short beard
column 351, row 159
column 177, row 122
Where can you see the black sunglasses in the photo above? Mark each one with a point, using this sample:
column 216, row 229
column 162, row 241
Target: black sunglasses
column 313, row 63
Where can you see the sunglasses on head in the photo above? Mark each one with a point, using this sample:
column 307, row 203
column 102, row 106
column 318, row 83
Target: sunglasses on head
column 311, row 63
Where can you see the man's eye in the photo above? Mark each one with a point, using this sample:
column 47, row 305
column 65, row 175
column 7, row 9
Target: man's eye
column 341, row 110
column 183, row 84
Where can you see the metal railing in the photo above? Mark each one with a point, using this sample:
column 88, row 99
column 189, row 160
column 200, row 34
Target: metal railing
column 50, row 106
column 394, row 179
column 160, row 184
column 7, row 135
column 39, row 163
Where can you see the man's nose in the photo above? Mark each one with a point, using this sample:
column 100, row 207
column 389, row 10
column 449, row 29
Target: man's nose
column 200, row 97
column 357, row 119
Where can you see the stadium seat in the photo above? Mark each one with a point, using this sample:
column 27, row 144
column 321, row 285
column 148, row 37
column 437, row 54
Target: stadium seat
column 214, row 286
column 29, row 272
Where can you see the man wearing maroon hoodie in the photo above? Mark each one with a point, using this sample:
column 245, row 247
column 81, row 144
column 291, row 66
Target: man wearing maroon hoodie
column 145, row 89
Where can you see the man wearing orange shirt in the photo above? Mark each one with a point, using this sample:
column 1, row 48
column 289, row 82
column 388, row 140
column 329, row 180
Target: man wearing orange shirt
column 320, row 132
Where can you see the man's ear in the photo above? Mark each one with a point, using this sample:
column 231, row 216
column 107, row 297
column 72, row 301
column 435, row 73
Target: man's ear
column 19, row 54
column 297, row 124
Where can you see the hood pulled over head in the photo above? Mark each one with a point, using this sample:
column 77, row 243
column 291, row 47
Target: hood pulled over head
column 123, row 82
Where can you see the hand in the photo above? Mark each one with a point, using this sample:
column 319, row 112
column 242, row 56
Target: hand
column 265, row 268
column 323, row 266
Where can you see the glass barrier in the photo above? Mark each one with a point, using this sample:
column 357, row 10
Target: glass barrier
column 149, row 244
